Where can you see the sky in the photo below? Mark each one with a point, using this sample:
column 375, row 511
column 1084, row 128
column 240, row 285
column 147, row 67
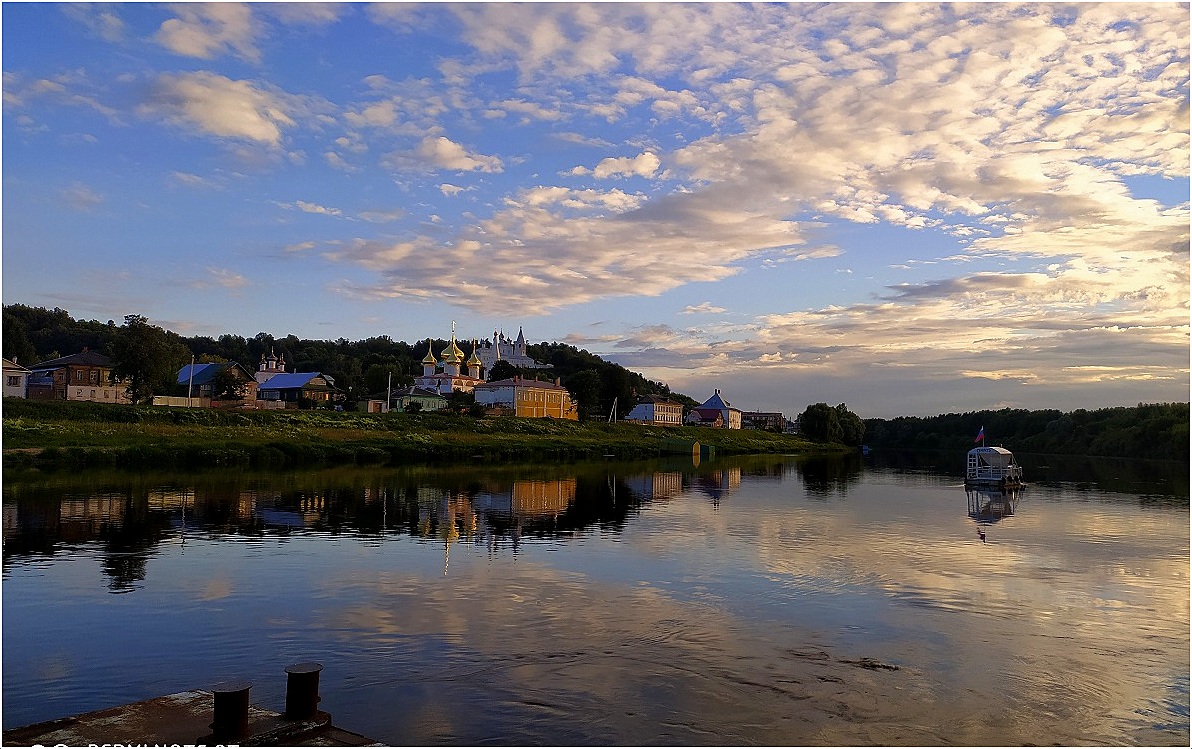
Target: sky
column 912, row 209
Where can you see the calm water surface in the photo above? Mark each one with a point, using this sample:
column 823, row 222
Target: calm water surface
column 746, row 601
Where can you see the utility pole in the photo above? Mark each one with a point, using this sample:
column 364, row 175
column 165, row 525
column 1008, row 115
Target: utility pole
column 190, row 378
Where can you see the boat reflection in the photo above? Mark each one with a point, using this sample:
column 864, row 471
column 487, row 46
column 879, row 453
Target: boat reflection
column 988, row 505
column 991, row 505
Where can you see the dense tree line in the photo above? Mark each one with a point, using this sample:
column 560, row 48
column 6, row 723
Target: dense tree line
column 824, row 423
column 1158, row 430
column 148, row 358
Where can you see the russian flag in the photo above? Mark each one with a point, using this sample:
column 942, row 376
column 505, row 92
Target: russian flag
column 980, row 435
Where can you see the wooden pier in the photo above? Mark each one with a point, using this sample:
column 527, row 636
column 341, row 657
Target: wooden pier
column 201, row 717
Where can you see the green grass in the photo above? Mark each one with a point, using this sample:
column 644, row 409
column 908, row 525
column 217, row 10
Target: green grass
column 60, row 434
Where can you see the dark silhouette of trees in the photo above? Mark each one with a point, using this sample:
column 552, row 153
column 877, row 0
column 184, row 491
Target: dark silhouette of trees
column 823, row 423
column 502, row 370
column 147, row 358
column 1155, row 430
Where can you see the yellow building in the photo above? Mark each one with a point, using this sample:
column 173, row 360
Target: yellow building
column 535, row 399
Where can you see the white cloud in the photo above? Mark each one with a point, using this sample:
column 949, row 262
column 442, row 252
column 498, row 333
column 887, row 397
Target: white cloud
column 305, row 13
column 702, row 308
column 192, row 180
column 219, row 106
column 206, row 30
column 381, row 217
column 228, row 279
column 100, row 18
column 82, row 197
column 443, row 153
column 307, row 207
column 643, row 165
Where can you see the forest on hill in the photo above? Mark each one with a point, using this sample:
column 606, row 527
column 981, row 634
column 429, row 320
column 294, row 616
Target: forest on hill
column 360, row 368
column 1156, row 430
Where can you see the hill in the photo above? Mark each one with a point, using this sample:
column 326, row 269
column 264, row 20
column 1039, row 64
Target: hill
column 360, row 368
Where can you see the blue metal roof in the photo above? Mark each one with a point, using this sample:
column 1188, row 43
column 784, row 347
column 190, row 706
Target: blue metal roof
column 715, row 402
column 203, row 373
column 289, row 380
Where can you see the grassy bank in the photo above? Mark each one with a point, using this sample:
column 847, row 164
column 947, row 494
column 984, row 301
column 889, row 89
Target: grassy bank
column 43, row 434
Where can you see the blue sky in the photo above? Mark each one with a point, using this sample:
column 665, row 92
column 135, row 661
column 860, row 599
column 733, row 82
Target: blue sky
column 912, row 209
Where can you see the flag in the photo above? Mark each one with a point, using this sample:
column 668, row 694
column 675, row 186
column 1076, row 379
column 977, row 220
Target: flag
column 980, row 435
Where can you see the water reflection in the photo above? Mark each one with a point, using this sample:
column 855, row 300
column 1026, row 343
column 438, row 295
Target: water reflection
column 987, row 506
column 831, row 475
column 129, row 516
column 768, row 600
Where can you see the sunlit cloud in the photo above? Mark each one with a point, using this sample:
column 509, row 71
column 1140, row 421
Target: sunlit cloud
column 218, row 106
column 702, row 308
column 205, row 30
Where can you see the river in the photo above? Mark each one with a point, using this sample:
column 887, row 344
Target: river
column 761, row 600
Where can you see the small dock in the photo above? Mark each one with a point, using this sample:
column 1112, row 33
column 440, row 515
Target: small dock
column 221, row 715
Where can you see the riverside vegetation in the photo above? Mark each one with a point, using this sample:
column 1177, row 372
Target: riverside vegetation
column 52, row 434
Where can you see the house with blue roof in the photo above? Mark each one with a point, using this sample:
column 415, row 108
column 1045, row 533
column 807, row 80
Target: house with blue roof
column 206, row 382
column 292, row 388
column 278, row 388
column 715, row 412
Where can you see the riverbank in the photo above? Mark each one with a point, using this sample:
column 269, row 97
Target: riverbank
column 57, row 435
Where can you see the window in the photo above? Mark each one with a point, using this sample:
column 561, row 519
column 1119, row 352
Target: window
column 14, row 381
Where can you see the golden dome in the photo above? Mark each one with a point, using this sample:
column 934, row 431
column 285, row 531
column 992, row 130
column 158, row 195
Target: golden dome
column 452, row 354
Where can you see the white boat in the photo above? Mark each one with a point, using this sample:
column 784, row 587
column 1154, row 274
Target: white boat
column 992, row 466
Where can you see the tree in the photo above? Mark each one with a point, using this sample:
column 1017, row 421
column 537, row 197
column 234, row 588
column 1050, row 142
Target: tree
column 821, row 423
column 147, row 358
column 379, row 376
column 586, row 390
column 17, row 346
column 852, row 429
column 502, row 370
column 226, row 385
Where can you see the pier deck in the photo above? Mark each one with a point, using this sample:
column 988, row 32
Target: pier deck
column 182, row 718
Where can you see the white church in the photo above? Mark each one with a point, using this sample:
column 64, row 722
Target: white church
column 501, row 348
column 451, row 370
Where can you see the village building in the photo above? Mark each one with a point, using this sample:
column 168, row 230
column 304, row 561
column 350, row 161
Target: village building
column 715, row 412
column 200, row 382
column 292, row 388
column 451, row 371
column 401, row 399
column 16, row 380
column 768, row 421
column 85, row 376
column 518, row 396
column 278, row 388
column 657, row 411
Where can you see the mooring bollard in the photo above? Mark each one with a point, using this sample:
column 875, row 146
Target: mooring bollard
column 231, row 711
column 302, row 690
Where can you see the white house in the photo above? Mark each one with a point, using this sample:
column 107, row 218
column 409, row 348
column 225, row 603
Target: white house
column 16, row 380
column 658, row 411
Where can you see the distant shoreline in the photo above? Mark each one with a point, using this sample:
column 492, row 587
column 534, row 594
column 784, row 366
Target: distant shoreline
column 57, row 435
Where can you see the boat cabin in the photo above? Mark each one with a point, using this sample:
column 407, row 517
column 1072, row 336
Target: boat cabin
column 992, row 466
